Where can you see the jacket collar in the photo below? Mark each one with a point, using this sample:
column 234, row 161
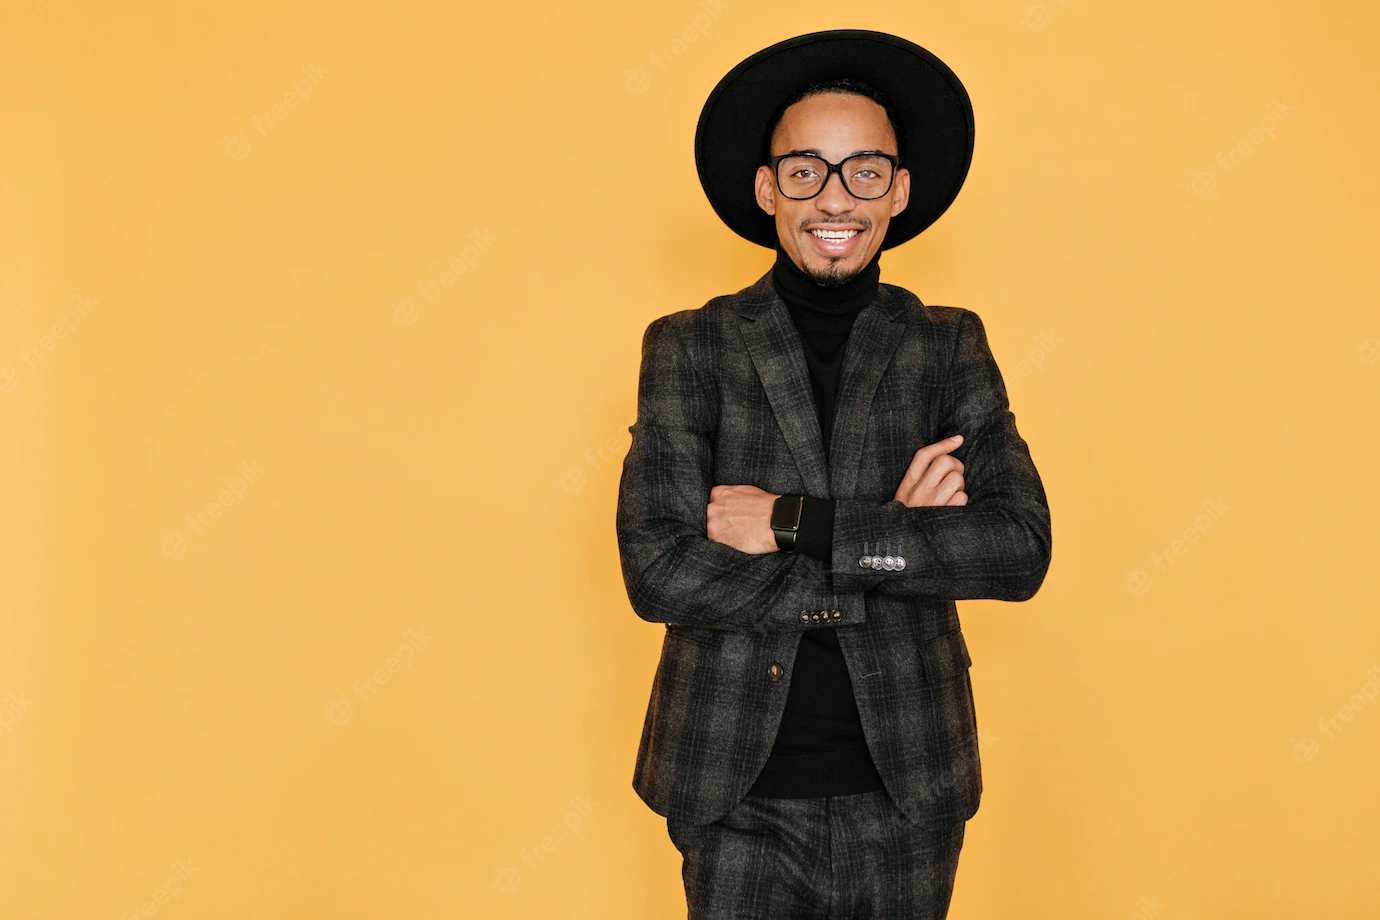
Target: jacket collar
column 760, row 297
column 778, row 355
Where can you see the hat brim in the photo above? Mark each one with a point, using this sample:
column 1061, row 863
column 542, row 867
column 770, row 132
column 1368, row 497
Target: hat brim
column 933, row 107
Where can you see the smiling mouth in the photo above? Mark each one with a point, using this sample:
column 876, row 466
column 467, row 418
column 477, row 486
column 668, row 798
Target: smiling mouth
column 834, row 243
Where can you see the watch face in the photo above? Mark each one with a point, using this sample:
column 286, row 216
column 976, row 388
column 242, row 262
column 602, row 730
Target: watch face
column 785, row 513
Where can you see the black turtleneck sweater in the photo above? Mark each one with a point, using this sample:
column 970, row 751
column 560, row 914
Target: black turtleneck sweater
column 820, row 749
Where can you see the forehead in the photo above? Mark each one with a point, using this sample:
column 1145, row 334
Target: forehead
column 836, row 124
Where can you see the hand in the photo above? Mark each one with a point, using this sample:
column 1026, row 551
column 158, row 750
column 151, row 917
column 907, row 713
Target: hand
column 740, row 516
column 934, row 477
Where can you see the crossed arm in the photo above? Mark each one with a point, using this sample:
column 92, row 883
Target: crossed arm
column 994, row 545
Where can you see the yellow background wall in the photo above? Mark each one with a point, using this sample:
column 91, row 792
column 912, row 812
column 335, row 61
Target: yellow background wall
column 257, row 308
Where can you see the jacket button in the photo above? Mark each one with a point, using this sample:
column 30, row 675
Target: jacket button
column 774, row 671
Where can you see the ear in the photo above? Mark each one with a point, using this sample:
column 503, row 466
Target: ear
column 900, row 195
column 764, row 187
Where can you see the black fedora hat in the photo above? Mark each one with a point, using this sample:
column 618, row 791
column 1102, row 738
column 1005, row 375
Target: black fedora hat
column 935, row 114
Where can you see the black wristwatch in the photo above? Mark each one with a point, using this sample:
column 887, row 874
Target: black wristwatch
column 785, row 520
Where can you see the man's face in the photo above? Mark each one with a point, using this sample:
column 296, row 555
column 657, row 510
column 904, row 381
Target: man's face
column 834, row 126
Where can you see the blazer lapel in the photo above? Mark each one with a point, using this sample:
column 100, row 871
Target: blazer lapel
column 872, row 341
column 779, row 358
column 778, row 355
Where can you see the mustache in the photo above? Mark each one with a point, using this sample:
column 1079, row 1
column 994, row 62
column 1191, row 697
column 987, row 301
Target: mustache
column 866, row 224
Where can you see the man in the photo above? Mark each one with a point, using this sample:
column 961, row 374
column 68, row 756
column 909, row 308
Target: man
column 820, row 467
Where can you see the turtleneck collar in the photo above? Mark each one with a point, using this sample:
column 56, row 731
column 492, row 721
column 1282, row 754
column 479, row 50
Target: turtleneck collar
column 827, row 309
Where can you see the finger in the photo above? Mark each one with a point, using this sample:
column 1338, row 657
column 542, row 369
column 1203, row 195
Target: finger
column 960, row 498
column 947, row 488
column 940, row 467
column 924, row 456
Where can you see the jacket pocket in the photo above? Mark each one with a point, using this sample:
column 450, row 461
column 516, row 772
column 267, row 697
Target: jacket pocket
column 703, row 636
column 944, row 656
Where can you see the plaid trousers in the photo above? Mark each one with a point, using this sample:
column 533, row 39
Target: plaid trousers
column 841, row 857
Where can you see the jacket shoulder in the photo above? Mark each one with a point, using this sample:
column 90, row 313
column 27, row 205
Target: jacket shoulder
column 701, row 333
column 915, row 311
column 694, row 323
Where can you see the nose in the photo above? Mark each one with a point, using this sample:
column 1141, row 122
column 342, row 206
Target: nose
column 834, row 198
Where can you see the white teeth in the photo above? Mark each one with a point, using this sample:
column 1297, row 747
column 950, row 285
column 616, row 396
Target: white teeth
column 835, row 234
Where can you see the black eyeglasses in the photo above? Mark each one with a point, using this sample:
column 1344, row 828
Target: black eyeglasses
column 864, row 175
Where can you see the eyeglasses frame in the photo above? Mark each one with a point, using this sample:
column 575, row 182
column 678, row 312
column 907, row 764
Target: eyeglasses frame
column 835, row 168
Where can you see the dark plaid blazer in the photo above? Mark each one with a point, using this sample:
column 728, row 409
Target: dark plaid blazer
column 724, row 399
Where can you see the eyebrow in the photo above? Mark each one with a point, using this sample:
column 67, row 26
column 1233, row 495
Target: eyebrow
column 815, row 151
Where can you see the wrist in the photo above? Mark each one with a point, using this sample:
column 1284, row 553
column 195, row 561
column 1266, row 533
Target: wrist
column 816, row 534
